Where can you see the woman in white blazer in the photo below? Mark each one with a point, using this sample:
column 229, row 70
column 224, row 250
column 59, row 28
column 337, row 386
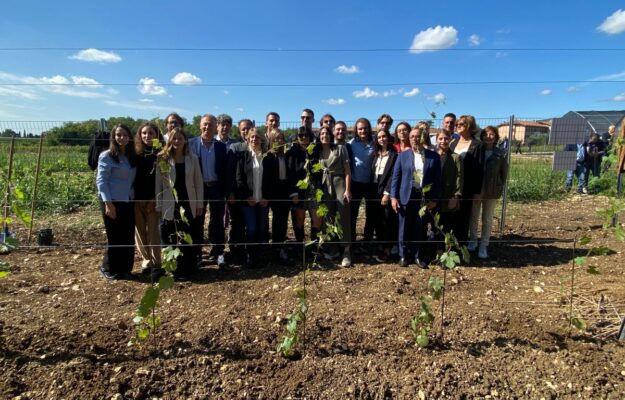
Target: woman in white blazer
column 175, row 162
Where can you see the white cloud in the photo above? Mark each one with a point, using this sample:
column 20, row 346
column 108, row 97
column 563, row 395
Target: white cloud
column 344, row 69
column 392, row 92
column 432, row 39
column 14, row 91
column 148, row 87
column 57, row 84
column 95, row 55
column 614, row 24
column 146, row 100
column 226, row 92
column 365, row 93
column 619, row 97
column 83, row 80
column 474, row 40
column 185, row 79
column 412, row 93
column 611, row 77
column 334, row 102
column 545, row 92
column 572, row 89
column 439, row 98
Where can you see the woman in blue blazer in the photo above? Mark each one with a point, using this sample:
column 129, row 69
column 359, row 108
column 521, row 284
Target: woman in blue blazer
column 416, row 182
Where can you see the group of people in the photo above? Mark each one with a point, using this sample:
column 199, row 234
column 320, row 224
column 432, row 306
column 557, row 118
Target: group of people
column 589, row 158
column 156, row 190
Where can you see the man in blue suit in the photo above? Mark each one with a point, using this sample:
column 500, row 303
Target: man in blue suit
column 416, row 181
column 213, row 160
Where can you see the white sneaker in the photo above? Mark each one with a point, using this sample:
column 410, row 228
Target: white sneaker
column 482, row 253
column 472, row 245
column 584, row 191
column 347, row 260
column 221, row 261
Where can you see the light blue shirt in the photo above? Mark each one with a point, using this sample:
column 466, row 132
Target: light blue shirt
column 207, row 161
column 115, row 180
column 363, row 155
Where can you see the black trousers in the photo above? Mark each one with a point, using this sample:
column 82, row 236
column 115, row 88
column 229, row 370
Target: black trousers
column 280, row 213
column 462, row 217
column 367, row 192
column 119, row 256
column 170, row 230
column 384, row 221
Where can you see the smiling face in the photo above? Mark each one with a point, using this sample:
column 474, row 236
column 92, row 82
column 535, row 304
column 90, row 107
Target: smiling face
column 307, row 119
column 325, row 137
column 255, row 141
column 362, row 130
column 442, row 140
column 402, row 133
column 490, row 138
column 208, row 127
column 121, row 137
column 340, row 132
column 449, row 124
column 244, row 129
column 178, row 141
column 147, row 135
column 382, row 139
column 415, row 139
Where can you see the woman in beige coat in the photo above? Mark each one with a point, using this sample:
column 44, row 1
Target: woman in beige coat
column 179, row 169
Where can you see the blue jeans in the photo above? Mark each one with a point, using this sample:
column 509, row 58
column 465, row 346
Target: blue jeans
column 256, row 218
column 580, row 172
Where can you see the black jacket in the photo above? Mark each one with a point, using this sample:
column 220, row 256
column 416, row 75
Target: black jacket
column 384, row 185
column 473, row 169
column 245, row 178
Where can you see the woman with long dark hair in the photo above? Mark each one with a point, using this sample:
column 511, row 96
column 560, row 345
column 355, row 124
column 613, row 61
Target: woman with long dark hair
column 114, row 180
column 336, row 187
column 147, row 219
column 179, row 169
column 402, row 142
column 384, row 219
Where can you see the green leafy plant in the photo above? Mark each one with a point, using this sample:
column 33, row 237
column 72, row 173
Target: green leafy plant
column 146, row 321
column 292, row 336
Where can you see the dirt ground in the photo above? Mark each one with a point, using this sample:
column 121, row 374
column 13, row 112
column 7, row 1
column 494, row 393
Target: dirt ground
column 64, row 330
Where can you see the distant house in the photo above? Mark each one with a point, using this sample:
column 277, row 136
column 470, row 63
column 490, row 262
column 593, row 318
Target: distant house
column 523, row 129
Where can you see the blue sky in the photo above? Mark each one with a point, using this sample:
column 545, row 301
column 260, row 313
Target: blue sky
column 477, row 42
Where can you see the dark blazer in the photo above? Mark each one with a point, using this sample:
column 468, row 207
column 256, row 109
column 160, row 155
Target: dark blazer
column 235, row 152
column 452, row 179
column 403, row 177
column 384, row 185
column 221, row 159
column 271, row 172
column 245, row 178
column 295, row 171
column 473, row 168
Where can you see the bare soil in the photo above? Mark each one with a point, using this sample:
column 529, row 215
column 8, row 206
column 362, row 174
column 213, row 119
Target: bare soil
column 64, row 330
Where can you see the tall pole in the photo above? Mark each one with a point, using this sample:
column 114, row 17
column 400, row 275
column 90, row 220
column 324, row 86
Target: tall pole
column 7, row 194
column 504, row 200
column 34, row 199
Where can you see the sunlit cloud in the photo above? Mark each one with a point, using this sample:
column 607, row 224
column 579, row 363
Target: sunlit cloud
column 614, row 24
column 474, row 40
column 334, row 102
column 412, row 93
column 344, row 69
column 432, row 39
column 148, row 87
column 95, row 55
column 365, row 93
column 185, row 79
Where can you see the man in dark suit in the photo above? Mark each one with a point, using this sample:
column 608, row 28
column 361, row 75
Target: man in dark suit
column 213, row 161
column 416, row 181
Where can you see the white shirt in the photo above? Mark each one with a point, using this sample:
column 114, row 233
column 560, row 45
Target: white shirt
column 418, row 167
column 257, row 171
column 380, row 164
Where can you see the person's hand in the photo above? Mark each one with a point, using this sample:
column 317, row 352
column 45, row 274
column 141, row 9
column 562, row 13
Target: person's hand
column 109, row 210
column 263, row 202
column 453, row 203
column 395, row 205
column 251, row 202
column 347, row 196
column 384, row 200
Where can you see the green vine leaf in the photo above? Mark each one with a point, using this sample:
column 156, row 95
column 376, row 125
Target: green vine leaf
column 318, row 195
column 322, row 210
column 436, row 284
column 422, row 211
column 584, row 240
column 310, row 149
column 619, row 233
column 317, row 167
column 593, row 270
column 579, row 323
column 599, row 251
column 303, row 184
column 579, row 261
column 165, row 282
column 148, row 301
